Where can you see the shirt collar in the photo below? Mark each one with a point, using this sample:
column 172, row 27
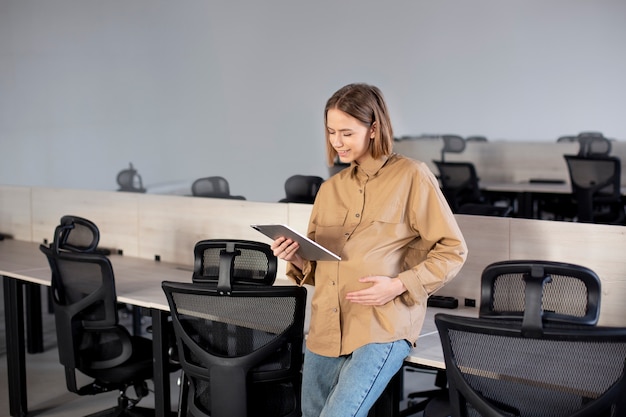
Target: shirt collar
column 370, row 166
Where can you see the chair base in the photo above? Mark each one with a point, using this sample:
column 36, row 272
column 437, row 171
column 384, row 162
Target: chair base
column 125, row 412
column 439, row 406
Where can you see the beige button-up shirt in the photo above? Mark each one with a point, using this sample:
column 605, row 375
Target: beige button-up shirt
column 384, row 217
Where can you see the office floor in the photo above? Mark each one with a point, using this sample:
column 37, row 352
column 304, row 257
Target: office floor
column 48, row 396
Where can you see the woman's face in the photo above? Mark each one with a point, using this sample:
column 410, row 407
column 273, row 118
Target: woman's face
column 349, row 137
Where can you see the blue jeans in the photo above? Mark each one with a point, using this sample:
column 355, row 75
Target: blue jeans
column 348, row 386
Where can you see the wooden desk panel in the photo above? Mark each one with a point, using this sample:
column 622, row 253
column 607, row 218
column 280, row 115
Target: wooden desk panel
column 15, row 212
column 601, row 248
column 488, row 241
column 170, row 226
column 115, row 213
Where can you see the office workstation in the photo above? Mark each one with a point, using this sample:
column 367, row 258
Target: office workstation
column 144, row 228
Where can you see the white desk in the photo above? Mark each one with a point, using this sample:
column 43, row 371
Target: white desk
column 138, row 282
column 527, row 192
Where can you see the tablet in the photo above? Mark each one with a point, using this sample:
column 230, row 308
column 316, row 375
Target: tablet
column 309, row 249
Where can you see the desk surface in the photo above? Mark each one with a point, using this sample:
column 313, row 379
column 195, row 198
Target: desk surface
column 138, row 282
column 530, row 187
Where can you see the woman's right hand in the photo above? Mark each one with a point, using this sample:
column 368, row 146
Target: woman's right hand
column 286, row 249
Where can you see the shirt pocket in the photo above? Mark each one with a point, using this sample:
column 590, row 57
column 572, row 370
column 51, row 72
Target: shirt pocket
column 330, row 218
column 392, row 213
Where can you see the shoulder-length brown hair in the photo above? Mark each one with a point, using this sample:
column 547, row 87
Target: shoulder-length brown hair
column 366, row 104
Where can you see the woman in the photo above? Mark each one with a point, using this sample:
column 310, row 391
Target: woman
column 398, row 239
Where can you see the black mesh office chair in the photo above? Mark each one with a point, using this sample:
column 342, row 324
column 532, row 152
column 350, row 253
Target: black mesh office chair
column 214, row 187
column 240, row 348
column 596, row 187
column 240, row 261
column 496, row 368
column 556, row 291
column 460, row 185
column 302, row 189
column 451, row 144
column 89, row 336
column 129, row 180
column 532, row 291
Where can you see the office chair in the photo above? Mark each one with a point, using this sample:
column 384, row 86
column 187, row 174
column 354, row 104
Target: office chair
column 556, row 291
column 460, row 185
column 239, row 261
column 89, row 336
column 596, row 188
column 301, row 189
column 530, row 290
column 214, row 187
column 129, row 180
column 593, row 144
column 497, row 369
column 240, row 347
column 453, row 144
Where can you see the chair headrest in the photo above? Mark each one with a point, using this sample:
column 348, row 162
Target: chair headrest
column 76, row 234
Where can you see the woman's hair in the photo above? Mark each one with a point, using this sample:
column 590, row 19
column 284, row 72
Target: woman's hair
column 366, row 104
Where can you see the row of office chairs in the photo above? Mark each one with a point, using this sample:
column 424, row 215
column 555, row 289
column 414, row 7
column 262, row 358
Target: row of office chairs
column 298, row 188
column 238, row 338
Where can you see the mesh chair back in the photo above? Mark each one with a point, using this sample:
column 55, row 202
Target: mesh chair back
column 210, row 187
column 593, row 144
column 545, row 290
column 495, row 370
column 84, row 298
column 452, row 144
column 302, row 189
column 596, row 181
column 459, row 183
column 76, row 234
column 130, row 180
column 231, row 260
column 241, row 352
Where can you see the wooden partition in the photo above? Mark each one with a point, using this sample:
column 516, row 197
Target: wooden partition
column 505, row 161
column 147, row 226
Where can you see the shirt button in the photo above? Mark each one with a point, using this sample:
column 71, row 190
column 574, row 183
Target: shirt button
column 332, row 282
column 334, row 310
column 357, row 215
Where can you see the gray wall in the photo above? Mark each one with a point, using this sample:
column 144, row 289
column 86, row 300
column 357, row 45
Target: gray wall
column 193, row 88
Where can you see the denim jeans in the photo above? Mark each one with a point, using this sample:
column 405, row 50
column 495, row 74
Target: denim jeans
column 348, row 386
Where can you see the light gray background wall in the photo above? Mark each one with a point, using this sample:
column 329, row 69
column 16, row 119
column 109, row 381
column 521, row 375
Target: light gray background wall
column 193, row 88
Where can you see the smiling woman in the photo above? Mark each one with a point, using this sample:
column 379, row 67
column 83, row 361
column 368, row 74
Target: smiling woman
column 398, row 241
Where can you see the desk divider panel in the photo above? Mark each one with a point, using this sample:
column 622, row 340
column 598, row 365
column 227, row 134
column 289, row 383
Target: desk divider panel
column 115, row 213
column 16, row 212
column 487, row 240
column 145, row 225
column 506, row 161
column 601, row 248
column 170, row 226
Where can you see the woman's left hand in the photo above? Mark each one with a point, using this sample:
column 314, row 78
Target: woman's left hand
column 383, row 290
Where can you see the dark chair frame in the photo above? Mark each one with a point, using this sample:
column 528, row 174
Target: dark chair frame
column 536, row 291
column 230, row 377
column 213, row 187
column 301, row 189
column 88, row 314
column 129, row 180
column 234, row 260
column 599, row 185
column 505, row 404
